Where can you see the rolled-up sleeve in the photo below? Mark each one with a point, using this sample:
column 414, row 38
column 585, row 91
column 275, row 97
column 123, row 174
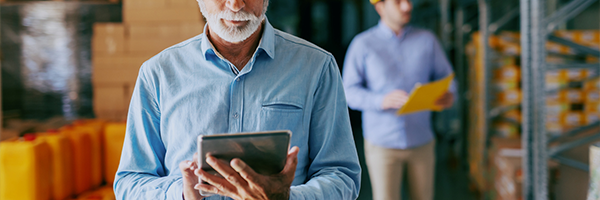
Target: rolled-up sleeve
column 334, row 172
column 142, row 173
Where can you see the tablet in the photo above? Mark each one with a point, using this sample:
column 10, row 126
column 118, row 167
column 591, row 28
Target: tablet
column 265, row 152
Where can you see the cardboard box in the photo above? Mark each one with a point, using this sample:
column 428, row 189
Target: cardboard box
column 594, row 188
column 179, row 30
column 102, row 61
column 109, row 29
column 162, row 14
column 184, row 3
column 110, row 101
column 114, row 75
column 152, row 46
column 143, row 4
column 108, row 45
column 574, row 183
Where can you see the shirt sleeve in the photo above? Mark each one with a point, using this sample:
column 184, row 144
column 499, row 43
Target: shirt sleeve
column 142, row 173
column 441, row 65
column 334, row 172
column 355, row 83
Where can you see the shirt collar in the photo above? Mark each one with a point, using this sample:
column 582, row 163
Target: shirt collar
column 388, row 32
column 266, row 44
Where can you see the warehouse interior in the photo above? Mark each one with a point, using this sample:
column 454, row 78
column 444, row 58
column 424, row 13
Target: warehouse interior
column 524, row 124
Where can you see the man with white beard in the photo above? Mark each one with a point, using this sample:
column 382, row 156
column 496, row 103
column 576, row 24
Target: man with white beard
column 240, row 75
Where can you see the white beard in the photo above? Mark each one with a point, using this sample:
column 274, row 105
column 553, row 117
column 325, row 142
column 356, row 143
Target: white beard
column 232, row 34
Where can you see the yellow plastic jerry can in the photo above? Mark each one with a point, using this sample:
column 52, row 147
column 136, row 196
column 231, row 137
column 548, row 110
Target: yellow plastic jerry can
column 81, row 151
column 62, row 164
column 25, row 169
column 103, row 193
column 95, row 129
column 114, row 136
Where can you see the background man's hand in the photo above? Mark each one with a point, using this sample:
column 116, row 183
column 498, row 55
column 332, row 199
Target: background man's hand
column 190, row 179
column 394, row 100
column 239, row 181
column 445, row 101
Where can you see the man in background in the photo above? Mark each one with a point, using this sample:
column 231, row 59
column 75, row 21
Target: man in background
column 240, row 75
column 382, row 65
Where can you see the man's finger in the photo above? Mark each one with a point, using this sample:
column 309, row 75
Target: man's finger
column 291, row 161
column 247, row 173
column 187, row 168
column 226, row 171
column 217, row 182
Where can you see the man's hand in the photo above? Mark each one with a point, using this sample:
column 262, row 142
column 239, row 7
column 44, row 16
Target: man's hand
column 190, row 179
column 241, row 182
column 394, row 100
column 445, row 101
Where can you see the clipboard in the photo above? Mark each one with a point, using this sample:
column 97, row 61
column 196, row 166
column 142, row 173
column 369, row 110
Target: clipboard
column 423, row 97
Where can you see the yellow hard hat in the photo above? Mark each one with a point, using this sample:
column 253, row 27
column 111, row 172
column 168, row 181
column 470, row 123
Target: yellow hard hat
column 374, row 1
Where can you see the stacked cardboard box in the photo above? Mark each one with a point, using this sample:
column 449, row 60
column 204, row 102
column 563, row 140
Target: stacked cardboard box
column 506, row 158
column 119, row 49
column 594, row 187
column 576, row 98
column 575, row 104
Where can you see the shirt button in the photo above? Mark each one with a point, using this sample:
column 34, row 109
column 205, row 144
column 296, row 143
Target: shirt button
column 235, row 116
column 237, row 79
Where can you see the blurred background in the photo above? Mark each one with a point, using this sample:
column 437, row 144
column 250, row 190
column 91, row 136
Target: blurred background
column 522, row 127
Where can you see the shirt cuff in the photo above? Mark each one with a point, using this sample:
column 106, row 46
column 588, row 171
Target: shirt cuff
column 378, row 101
column 175, row 190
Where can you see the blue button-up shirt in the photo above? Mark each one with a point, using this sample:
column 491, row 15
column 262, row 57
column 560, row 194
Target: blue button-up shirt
column 379, row 61
column 188, row 90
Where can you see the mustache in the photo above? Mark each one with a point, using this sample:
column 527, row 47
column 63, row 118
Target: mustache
column 235, row 16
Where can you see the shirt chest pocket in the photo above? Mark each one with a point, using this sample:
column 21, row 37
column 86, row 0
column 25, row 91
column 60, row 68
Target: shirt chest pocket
column 281, row 116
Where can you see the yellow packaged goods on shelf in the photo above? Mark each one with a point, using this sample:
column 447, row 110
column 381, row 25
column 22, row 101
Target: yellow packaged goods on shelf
column 103, row 193
column 508, row 73
column 62, row 164
column 592, row 96
column 81, row 150
column 590, row 117
column 573, row 119
column 95, row 129
column 576, row 74
column 573, row 96
column 25, row 169
column 507, row 130
column 114, row 136
column 509, row 97
column 591, row 107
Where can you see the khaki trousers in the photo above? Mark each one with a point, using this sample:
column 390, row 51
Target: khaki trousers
column 386, row 167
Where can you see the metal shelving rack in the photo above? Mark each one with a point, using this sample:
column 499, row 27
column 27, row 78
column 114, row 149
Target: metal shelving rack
column 488, row 25
column 536, row 29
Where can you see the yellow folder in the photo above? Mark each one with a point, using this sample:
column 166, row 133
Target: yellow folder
column 423, row 97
